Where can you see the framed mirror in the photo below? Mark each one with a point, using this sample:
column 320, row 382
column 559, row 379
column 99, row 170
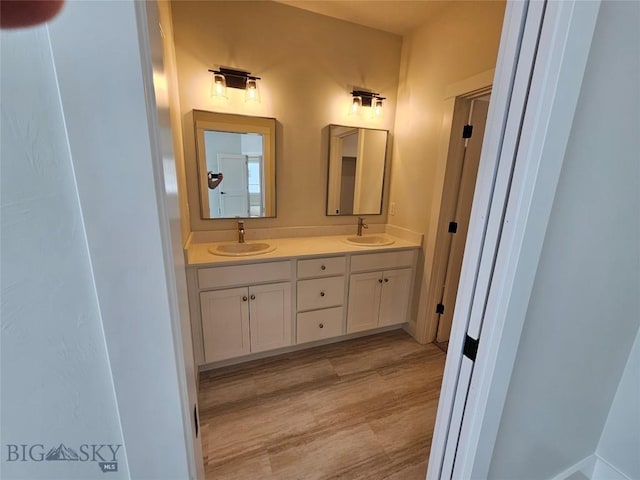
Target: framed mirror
column 236, row 157
column 357, row 158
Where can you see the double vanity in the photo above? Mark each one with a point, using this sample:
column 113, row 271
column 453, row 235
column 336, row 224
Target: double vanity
column 263, row 297
column 250, row 299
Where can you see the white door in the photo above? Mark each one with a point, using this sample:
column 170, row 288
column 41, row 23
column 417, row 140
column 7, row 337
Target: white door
column 225, row 323
column 529, row 122
column 270, row 316
column 465, row 188
column 364, row 301
column 394, row 300
column 234, row 189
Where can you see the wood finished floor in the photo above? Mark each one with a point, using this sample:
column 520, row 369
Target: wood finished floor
column 360, row 409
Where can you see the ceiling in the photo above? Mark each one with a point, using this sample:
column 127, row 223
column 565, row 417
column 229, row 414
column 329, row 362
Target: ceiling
column 395, row 16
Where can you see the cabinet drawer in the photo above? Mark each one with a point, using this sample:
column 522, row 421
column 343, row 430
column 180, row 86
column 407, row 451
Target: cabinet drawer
column 215, row 277
column 320, row 293
column 319, row 324
column 381, row 261
column 321, row 267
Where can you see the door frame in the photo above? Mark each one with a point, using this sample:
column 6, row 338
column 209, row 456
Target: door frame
column 450, row 156
column 511, row 210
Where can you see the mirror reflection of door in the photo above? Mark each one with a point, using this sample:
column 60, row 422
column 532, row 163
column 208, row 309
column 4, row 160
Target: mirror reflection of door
column 348, row 173
column 232, row 195
column 356, row 170
column 238, row 156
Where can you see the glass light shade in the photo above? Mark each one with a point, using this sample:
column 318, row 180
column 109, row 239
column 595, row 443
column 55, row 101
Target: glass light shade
column 376, row 108
column 252, row 94
column 218, row 86
column 356, row 105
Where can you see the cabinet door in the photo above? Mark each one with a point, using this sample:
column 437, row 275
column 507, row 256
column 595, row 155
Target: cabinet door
column 270, row 316
column 364, row 301
column 225, row 323
column 395, row 296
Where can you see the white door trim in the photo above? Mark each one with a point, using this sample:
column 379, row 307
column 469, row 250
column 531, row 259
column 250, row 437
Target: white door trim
column 508, row 53
column 524, row 213
column 161, row 140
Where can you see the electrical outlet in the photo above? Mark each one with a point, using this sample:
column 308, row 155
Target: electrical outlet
column 392, row 208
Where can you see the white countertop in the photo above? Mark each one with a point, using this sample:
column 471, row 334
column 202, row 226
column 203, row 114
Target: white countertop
column 198, row 254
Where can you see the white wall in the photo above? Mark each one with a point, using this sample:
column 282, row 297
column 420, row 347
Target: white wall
column 584, row 312
column 104, row 73
column 620, row 441
column 308, row 64
column 57, row 385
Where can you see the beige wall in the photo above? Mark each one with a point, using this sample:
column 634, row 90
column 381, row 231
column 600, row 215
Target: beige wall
column 457, row 44
column 308, row 63
column 169, row 59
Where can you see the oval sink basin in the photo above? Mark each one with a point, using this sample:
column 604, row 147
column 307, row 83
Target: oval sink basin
column 242, row 249
column 369, row 240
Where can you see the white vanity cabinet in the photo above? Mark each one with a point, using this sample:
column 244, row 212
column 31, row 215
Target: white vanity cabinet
column 379, row 296
column 320, row 298
column 238, row 321
column 241, row 320
column 248, row 307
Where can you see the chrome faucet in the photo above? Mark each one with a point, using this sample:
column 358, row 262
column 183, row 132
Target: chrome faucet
column 240, row 231
column 361, row 225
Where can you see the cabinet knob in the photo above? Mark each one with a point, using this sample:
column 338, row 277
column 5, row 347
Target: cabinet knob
column 321, row 325
column 253, row 297
column 244, row 299
column 322, row 294
column 379, row 280
column 386, row 280
column 323, row 267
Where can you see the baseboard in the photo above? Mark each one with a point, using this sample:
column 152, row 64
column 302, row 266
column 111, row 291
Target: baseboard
column 584, row 467
column 603, row 470
column 592, row 467
column 295, row 348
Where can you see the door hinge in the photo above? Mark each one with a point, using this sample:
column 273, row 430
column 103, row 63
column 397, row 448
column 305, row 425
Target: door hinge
column 470, row 348
column 195, row 419
column 467, row 131
column 440, row 308
column 453, row 227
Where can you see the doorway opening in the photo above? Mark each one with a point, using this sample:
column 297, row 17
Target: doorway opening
column 467, row 108
column 463, row 158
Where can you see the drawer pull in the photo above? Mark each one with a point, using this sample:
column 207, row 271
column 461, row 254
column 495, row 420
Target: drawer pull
column 253, row 297
column 244, row 299
column 322, row 294
column 323, row 267
column 321, row 325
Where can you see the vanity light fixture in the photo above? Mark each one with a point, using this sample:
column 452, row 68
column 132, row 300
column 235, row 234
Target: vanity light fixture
column 241, row 79
column 364, row 98
column 218, row 86
column 356, row 104
column 252, row 94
